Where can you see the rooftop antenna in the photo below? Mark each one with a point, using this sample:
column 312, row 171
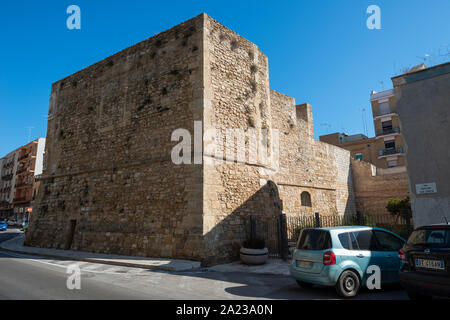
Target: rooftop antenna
column 425, row 58
column 327, row 125
column 29, row 133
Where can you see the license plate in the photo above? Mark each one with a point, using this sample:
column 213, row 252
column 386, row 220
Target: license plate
column 304, row 264
column 430, row 264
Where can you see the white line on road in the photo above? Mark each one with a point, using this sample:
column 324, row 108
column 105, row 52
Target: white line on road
column 91, row 268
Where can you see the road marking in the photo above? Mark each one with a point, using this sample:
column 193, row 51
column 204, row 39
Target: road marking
column 90, row 268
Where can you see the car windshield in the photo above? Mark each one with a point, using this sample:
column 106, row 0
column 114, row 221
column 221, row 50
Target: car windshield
column 430, row 237
column 314, row 239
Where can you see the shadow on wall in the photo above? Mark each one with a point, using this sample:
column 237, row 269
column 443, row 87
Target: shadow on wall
column 223, row 241
column 350, row 204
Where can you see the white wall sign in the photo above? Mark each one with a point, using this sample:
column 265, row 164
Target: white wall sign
column 425, row 188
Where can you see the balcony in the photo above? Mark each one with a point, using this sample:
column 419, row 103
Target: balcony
column 23, row 157
column 387, row 132
column 24, row 185
column 380, row 114
column 22, row 170
column 390, row 151
column 7, row 177
column 21, row 199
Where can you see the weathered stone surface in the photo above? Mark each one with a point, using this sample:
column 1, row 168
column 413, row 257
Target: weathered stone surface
column 108, row 164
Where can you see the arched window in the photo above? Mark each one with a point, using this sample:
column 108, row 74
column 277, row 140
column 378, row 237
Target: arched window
column 306, row 199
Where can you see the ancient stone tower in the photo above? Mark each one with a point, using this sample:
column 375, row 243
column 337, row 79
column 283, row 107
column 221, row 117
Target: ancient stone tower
column 110, row 185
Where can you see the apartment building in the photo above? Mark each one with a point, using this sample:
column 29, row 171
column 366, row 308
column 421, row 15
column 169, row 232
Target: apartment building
column 388, row 137
column 360, row 146
column 422, row 97
column 8, row 167
column 18, row 185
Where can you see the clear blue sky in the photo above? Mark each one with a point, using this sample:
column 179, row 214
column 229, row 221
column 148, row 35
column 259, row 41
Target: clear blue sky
column 320, row 52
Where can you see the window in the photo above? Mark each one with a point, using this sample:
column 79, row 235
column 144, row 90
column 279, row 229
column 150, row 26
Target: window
column 389, row 145
column 387, row 126
column 306, row 199
column 364, row 240
column 345, row 240
column 314, row 239
column 384, row 108
column 387, row 241
column 437, row 237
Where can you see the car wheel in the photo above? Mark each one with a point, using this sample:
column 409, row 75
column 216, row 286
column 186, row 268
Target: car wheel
column 348, row 284
column 417, row 296
column 304, row 284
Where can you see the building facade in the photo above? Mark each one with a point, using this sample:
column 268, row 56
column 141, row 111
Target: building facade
column 388, row 137
column 422, row 100
column 110, row 183
column 360, row 146
column 18, row 184
column 8, row 170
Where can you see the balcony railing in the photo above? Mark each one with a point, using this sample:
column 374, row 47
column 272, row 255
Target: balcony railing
column 386, row 152
column 7, row 177
column 21, row 199
column 21, row 185
column 22, row 170
column 23, row 157
column 387, row 131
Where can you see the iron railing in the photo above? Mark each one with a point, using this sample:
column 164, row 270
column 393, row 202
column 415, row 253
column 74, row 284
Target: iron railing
column 387, row 131
column 385, row 152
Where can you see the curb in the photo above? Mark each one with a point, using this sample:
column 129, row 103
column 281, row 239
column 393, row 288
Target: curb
column 100, row 261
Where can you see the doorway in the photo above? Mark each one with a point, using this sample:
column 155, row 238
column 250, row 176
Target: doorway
column 70, row 235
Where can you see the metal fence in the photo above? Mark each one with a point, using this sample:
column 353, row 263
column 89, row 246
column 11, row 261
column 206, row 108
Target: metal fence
column 281, row 232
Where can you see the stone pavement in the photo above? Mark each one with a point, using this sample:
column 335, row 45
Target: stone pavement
column 273, row 266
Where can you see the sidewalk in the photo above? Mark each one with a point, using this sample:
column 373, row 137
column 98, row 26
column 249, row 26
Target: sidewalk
column 273, row 266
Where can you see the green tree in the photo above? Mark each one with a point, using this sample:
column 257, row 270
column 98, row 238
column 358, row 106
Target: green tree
column 399, row 207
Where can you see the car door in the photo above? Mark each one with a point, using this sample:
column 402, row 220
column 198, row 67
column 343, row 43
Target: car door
column 389, row 245
column 367, row 253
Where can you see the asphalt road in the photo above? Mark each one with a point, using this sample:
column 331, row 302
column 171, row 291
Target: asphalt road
column 32, row 277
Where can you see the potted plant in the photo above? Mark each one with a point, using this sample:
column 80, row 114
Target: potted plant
column 254, row 252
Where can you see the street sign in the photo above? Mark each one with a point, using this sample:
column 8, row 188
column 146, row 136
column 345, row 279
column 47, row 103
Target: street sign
column 426, row 188
column 30, row 210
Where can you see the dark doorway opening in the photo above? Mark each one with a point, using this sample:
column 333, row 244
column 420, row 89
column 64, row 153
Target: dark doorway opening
column 70, row 235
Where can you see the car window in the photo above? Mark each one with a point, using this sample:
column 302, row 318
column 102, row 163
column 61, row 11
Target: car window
column 344, row 239
column 430, row 237
column 365, row 240
column 387, row 241
column 314, row 239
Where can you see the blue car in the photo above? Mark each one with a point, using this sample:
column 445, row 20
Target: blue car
column 3, row 225
column 340, row 257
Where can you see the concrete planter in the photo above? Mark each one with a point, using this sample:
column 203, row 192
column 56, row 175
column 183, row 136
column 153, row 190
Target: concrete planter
column 254, row 256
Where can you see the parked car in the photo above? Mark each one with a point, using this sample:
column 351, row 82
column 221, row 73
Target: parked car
column 3, row 225
column 11, row 223
column 425, row 270
column 340, row 256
